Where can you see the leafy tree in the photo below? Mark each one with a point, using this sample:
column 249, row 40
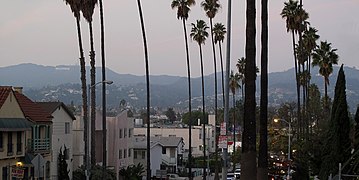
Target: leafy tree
column 63, row 172
column 195, row 116
column 96, row 173
column 337, row 146
column 133, row 172
column 171, row 115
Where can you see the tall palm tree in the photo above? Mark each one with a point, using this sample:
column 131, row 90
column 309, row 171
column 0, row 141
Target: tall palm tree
column 241, row 66
column 249, row 154
column 183, row 9
column 262, row 173
column 87, row 11
column 147, row 88
column 310, row 38
column 211, row 8
column 219, row 31
column 234, row 85
column 75, row 6
column 199, row 34
column 324, row 56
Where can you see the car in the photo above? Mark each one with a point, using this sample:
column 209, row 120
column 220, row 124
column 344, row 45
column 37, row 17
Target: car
column 175, row 177
column 230, row 176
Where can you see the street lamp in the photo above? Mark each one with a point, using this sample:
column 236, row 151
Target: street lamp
column 87, row 171
column 289, row 130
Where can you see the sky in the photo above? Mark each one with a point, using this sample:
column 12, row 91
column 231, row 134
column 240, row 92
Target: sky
column 44, row 32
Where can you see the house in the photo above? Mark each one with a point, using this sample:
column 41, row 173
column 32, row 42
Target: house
column 15, row 130
column 61, row 136
column 166, row 153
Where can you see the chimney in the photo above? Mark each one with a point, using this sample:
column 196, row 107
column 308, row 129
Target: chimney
column 18, row 89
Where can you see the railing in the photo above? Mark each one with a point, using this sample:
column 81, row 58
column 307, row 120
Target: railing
column 39, row 145
column 168, row 160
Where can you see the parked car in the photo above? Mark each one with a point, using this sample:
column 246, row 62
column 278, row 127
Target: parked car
column 230, row 176
column 237, row 173
column 175, row 177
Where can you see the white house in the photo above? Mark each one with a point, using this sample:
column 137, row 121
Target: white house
column 61, row 137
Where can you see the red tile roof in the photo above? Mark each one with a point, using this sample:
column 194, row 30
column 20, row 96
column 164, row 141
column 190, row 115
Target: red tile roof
column 4, row 93
column 32, row 110
column 51, row 107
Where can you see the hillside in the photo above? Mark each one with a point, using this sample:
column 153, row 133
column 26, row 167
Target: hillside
column 63, row 83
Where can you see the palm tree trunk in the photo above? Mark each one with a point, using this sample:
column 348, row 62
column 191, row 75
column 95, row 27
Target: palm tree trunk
column 297, row 82
column 249, row 165
column 234, row 132
column 93, row 97
column 215, row 94
column 147, row 89
column 189, row 102
column 262, row 173
column 203, row 114
column 84, row 89
column 103, row 62
column 220, row 53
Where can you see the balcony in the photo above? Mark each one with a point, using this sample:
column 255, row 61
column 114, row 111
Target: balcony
column 39, row 145
column 168, row 160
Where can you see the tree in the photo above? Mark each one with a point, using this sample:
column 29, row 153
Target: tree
column 87, row 11
column 262, row 173
column 171, row 115
column 183, row 9
column 249, row 164
column 195, row 115
column 241, row 66
column 218, row 31
column 133, row 172
column 63, row 172
column 97, row 173
column 234, row 85
column 337, row 146
column 324, row 57
column 211, row 8
column 147, row 89
column 199, row 34
column 76, row 6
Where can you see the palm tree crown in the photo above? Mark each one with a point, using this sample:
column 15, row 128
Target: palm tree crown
column 234, row 82
column 211, row 7
column 183, row 7
column 324, row 57
column 219, row 31
column 75, row 6
column 310, row 37
column 88, row 9
column 198, row 32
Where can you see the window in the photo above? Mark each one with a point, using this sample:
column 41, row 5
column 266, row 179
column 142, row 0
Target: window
column 120, row 154
column 172, row 135
column 120, row 133
column 212, row 133
column 125, row 153
column 135, row 154
column 130, row 132
column 163, row 150
column 124, row 132
column 19, row 143
column 129, row 152
column 200, row 135
column 67, row 128
column 212, row 144
column 9, row 144
column 4, row 172
column 143, row 154
column 200, row 147
column 172, row 152
column 1, row 141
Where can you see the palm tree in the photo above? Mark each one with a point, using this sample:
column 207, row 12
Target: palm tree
column 324, row 57
column 199, row 34
column 262, row 173
column 147, row 88
column 219, row 31
column 310, row 38
column 75, row 6
column 249, row 134
column 241, row 66
column 234, row 85
column 211, row 8
column 183, row 9
column 87, row 11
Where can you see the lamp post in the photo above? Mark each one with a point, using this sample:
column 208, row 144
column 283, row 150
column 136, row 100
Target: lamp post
column 87, row 171
column 289, row 131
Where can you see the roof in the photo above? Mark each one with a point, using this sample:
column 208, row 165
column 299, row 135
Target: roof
column 51, row 107
column 31, row 110
column 141, row 142
column 4, row 93
column 14, row 124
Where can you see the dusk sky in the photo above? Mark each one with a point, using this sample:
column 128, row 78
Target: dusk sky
column 44, row 32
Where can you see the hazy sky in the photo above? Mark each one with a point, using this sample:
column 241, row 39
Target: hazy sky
column 44, row 32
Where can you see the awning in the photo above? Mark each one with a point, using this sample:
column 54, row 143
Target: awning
column 14, row 124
